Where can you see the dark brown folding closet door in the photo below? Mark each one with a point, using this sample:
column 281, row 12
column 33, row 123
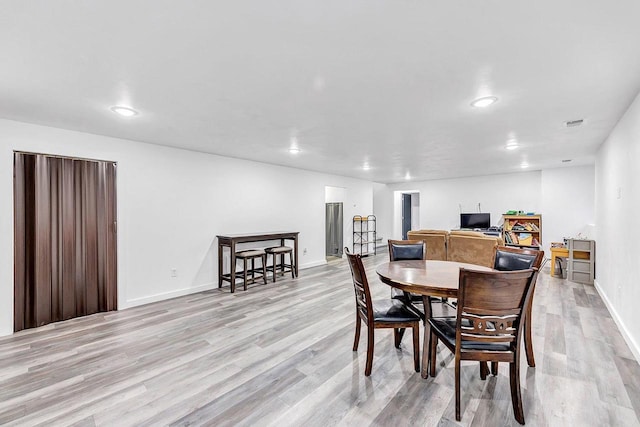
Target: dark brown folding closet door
column 65, row 238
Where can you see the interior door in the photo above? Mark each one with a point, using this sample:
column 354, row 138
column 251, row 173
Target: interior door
column 334, row 229
column 406, row 214
column 64, row 238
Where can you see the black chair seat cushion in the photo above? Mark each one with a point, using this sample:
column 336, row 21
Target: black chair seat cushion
column 392, row 310
column 407, row 252
column 446, row 328
column 508, row 261
column 398, row 294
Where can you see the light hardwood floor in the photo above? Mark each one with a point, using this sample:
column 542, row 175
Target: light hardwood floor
column 281, row 354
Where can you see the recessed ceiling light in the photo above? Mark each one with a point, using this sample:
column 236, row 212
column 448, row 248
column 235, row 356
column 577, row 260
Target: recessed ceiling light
column 124, row 111
column 484, row 102
column 407, row 176
column 524, row 165
column 366, row 167
column 294, row 150
column 512, row 144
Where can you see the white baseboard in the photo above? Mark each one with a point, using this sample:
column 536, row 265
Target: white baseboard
column 313, row 264
column 182, row 292
column 633, row 345
column 164, row 296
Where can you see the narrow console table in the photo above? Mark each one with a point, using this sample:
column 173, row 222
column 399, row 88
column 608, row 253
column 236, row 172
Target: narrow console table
column 231, row 240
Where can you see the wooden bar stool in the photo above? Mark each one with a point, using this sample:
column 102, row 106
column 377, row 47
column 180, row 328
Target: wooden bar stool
column 251, row 254
column 282, row 251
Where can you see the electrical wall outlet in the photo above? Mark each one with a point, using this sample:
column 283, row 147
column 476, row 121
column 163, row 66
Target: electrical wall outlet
column 174, row 272
column 304, row 251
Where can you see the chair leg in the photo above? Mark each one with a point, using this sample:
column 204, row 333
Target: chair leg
column 528, row 339
column 494, row 368
column 516, row 398
column 357, row 340
column 398, row 333
column 416, row 347
column 370, row 342
column 396, row 337
column 484, row 369
column 433, row 349
column 457, row 385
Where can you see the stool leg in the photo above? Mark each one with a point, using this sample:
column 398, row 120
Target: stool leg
column 280, row 263
column 232, row 280
column 253, row 270
column 293, row 276
column 245, row 274
column 275, row 267
column 263, row 259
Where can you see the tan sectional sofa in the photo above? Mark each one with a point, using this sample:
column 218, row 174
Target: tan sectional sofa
column 462, row 246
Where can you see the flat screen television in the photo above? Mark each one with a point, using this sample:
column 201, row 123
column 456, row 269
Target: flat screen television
column 475, row 220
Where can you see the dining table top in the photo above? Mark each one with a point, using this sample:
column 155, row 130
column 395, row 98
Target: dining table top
column 425, row 277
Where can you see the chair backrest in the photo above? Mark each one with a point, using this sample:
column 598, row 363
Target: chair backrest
column 364, row 305
column 491, row 305
column 509, row 258
column 400, row 250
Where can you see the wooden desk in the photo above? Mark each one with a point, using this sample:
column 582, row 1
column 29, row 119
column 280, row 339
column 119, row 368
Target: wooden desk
column 231, row 240
column 427, row 278
column 557, row 252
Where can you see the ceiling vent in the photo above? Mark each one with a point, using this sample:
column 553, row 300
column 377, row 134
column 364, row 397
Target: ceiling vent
column 573, row 123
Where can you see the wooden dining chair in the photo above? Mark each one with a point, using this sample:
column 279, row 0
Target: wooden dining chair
column 402, row 250
column 487, row 326
column 389, row 313
column 510, row 258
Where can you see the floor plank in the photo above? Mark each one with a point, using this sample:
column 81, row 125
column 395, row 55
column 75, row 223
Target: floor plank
column 280, row 354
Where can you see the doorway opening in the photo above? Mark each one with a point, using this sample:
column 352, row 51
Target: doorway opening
column 64, row 238
column 406, row 212
column 334, row 198
column 334, row 230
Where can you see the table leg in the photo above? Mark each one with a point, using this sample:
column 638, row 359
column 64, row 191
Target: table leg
column 219, row 264
column 427, row 333
column 295, row 252
column 232, row 267
column 553, row 264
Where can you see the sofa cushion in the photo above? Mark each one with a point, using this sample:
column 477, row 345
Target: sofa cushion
column 472, row 248
column 436, row 241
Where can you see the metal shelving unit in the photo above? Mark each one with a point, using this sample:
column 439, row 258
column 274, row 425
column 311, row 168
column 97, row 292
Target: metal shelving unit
column 364, row 235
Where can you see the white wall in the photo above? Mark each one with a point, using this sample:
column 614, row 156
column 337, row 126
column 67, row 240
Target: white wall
column 171, row 205
column 355, row 201
column 568, row 204
column 564, row 197
column 415, row 211
column 383, row 211
column 617, row 206
column 441, row 200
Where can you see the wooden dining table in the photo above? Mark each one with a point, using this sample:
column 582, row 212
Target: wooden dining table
column 428, row 278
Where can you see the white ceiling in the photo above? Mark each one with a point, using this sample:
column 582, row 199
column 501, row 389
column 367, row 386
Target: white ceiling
column 388, row 82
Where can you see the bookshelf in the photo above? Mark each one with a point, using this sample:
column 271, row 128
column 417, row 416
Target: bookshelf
column 522, row 230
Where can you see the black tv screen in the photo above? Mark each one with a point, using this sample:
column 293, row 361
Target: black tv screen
column 475, row 220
